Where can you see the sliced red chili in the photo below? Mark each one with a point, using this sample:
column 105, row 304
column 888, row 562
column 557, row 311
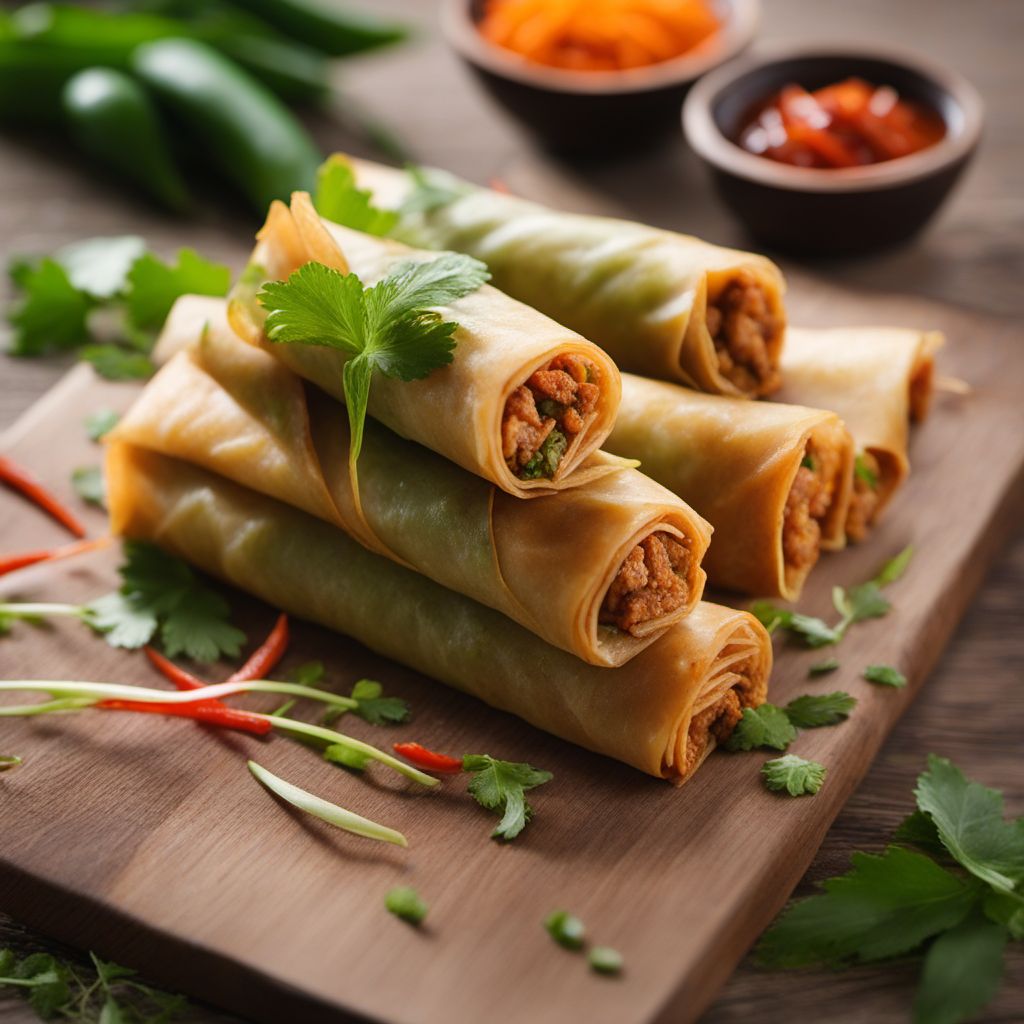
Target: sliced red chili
column 21, row 480
column 182, row 680
column 210, row 712
column 428, row 760
column 27, row 558
column 267, row 655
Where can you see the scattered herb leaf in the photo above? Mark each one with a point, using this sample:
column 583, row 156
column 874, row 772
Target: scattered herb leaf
column 764, row 726
column 308, row 674
column 886, row 675
column 501, row 786
column 605, row 960
column 116, row 363
column 793, row 774
column 821, row 668
column 154, row 286
column 89, row 485
column 100, row 423
column 566, row 929
column 339, row 200
column 812, row 711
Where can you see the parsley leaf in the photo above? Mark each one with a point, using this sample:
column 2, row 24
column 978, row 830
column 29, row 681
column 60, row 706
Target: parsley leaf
column 918, row 829
column 405, row 903
column 962, row 971
column 969, row 820
column 376, row 709
column 100, row 423
column 160, row 591
column 52, row 315
column 387, row 328
column 99, row 266
column 500, row 786
column 566, row 929
column 793, row 774
column 114, row 362
column 865, row 601
column 153, row 286
column 813, row 711
column 885, row 905
column 89, row 485
column 885, row 675
column 338, row 199
column 764, row 726
column 815, row 632
column 821, row 668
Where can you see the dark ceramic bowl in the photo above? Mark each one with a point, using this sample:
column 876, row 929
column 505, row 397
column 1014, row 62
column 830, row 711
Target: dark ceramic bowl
column 822, row 211
column 594, row 111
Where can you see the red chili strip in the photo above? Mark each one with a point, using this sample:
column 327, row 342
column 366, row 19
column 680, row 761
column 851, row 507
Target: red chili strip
column 210, row 712
column 182, row 680
column 27, row 558
column 23, row 481
column 267, row 655
column 499, row 185
column 428, row 760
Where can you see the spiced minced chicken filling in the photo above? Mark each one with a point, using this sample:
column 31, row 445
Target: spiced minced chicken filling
column 744, row 329
column 544, row 415
column 807, row 505
column 864, row 497
column 652, row 581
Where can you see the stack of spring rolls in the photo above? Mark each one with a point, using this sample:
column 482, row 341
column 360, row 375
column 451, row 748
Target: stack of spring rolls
column 554, row 581
column 779, row 481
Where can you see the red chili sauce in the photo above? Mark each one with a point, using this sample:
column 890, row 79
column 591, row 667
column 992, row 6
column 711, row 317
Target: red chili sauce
column 848, row 124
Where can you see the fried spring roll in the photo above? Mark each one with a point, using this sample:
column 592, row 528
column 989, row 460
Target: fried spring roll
column 662, row 713
column 601, row 570
column 773, row 480
column 661, row 304
column 878, row 380
column 522, row 404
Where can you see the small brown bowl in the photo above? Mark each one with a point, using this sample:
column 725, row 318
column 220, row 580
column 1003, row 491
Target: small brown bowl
column 594, row 112
column 823, row 211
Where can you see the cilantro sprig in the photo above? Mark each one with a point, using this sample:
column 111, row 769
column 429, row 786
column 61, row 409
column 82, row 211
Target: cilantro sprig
column 105, row 299
column 107, row 994
column 387, row 328
column 856, row 604
column 501, row 786
column 340, row 200
column 957, row 898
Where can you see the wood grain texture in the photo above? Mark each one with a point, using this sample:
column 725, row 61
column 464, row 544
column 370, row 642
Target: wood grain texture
column 972, row 710
column 145, row 839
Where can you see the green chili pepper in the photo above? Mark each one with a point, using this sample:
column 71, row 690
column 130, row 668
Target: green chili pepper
column 248, row 133
column 324, row 26
column 115, row 122
column 295, row 72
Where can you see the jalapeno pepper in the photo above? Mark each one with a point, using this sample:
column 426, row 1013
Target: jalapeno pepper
column 115, row 122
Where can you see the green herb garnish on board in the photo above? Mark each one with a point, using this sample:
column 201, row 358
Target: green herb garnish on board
column 89, row 485
column 793, row 775
column 764, row 726
column 99, row 423
column 885, row 675
column 566, row 929
column 105, row 299
column 605, row 960
column 405, row 902
column 812, row 711
column 388, row 328
column 957, row 900
column 501, row 786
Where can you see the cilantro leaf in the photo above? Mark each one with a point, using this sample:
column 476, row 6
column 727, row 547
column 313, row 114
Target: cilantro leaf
column 89, row 485
column 199, row 628
column 500, row 786
column 895, row 567
column 764, row 726
column 969, row 820
column 815, row 632
column 308, row 674
column 821, row 668
column 115, row 362
column 566, row 929
column 430, row 191
column 962, row 971
column 793, row 774
column 339, row 200
column 812, row 711
column 375, row 708
column 404, row 902
column 887, row 904
column 885, row 675
column 100, row 423
column 122, row 620
column 388, row 327
column 99, row 266
column 153, row 286
column 865, row 601
column 51, row 317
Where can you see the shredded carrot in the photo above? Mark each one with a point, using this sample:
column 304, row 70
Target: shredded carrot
column 598, row 35
column 21, row 480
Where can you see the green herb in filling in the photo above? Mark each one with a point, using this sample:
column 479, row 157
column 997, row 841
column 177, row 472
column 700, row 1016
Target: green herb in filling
column 862, row 471
column 809, row 463
column 549, row 407
column 546, row 459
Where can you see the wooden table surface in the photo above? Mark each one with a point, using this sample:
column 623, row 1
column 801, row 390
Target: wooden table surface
column 973, row 708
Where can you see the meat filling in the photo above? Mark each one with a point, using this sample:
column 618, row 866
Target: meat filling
column 864, row 500
column 543, row 416
column 651, row 582
column 716, row 722
column 807, row 505
column 744, row 329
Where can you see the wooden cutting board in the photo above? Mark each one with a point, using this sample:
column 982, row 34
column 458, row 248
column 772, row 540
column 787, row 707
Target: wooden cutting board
column 146, row 840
